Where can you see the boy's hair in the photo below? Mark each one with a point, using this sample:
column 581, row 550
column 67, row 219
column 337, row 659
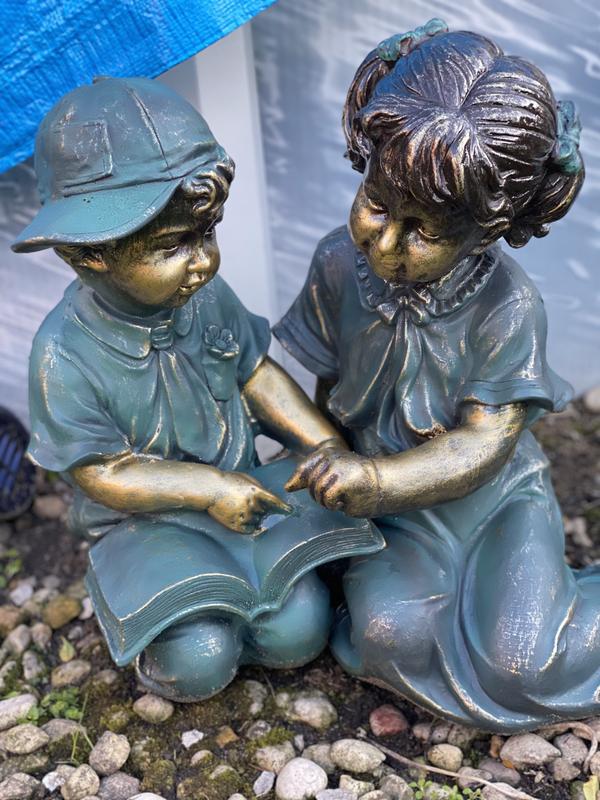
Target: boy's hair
column 207, row 187
column 455, row 120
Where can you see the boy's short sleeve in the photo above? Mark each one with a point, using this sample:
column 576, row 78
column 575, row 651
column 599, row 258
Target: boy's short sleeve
column 68, row 424
column 509, row 359
column 308, row 330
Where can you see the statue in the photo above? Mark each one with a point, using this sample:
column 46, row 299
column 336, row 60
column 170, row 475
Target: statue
column 428, row 342
column 148, row 384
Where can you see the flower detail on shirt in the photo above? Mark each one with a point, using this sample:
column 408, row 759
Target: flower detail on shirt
column 220, row 342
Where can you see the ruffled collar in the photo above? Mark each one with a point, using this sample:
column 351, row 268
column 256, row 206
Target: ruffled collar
column 425, row 301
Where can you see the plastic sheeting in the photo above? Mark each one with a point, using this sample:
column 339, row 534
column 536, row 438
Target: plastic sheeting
column 48, row 47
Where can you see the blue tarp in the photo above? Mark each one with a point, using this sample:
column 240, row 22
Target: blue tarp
column 48, row 47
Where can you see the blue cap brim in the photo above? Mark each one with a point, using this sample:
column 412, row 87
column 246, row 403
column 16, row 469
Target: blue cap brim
column 95, row 217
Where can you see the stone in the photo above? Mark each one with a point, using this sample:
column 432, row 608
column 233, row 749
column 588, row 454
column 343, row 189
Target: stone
column 257, row 693
column 23, row 739
column 264, row 783
column 440, row 732
column 298, row 742
column 21, row 593
column 462, row 736
column 190, row 738
column 300, row 779
column 226, row 735
column 354, row 787
column 356, row 756
column 83, row 781
column 41, row 634
column 334, row 794
column 500, row 772
column 445, row 756
column 20, row 787
column 572, row 748
column 313, row 708
column 87, row 609
column 61, row 610
column 494, row 793
column 222, row 769
column 30, row 764
column 109, row 753
column 15, row 709
column 237, row 796
column 387, row 720
column 437, row 792
column 595, row 764
column 200, row 757
column 118, row 786
column 528, row 750
column 563, row 770
column 33, row 667
column 376, row 794
column 18, row 640
column 496, row 744
column 258, row 729
column 147, row 796
column 49, row 506
column 321, row 754
column 396, row 788
column 153, row 709
column 10, row 617
column 73, row 673
column 58, row 729
column 106, row 677
column 54, row 780
column 591, row 400
column 471, row 778
column 274, row 757
column 422, row 731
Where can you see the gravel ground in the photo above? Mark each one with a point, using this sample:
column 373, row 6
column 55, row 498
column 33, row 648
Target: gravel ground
column 73, row 726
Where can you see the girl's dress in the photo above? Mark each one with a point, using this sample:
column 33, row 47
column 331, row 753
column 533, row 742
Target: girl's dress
column 470, row 611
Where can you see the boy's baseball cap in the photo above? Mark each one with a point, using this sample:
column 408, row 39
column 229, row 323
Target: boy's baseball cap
column 108, row 158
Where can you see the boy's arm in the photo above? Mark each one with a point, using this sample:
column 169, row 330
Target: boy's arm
column 138, row 484
column 448, row 467
column 285, row 411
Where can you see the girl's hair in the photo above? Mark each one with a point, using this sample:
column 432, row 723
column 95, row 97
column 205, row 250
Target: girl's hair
column 453, row 119
column 207, row 186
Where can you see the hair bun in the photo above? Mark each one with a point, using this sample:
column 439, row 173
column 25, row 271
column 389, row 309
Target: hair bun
column 565, row 155
column 400, row 44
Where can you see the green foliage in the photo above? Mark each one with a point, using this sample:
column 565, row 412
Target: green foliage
column 10, row 565
column 421, row 786
column 59, row 704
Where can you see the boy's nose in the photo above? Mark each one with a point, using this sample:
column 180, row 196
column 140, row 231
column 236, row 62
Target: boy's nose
column 199, row 263
column 389, row 238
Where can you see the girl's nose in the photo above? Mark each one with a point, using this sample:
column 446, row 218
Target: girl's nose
column 389, row 238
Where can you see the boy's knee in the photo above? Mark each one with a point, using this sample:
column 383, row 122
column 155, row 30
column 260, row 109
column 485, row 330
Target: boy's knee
column 296, row 633
column 192, row 660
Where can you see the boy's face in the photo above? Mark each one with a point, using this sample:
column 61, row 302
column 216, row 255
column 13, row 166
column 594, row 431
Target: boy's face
column 404, row 241
column 168, row 260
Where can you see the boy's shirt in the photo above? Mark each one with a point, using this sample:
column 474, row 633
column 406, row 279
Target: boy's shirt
column 103, row 384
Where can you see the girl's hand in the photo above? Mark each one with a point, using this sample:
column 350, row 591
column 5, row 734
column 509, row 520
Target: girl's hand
column 241, row 503
column 339, row 480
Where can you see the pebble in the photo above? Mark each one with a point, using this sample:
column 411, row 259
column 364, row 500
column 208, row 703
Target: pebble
column 23, row 739
column 41, row 634
column 387, row 720
column 300, row 779
column 321, row 754
column 22, row 592
column 87, row 609
column 54, row 780
column 106, row 677
column 33, row 667
column 14, row 709
column 190, row 738
column 528, row 750
column 10, row 617
column 274, row 757
column 314, row 709
column 354, row 787
column 61, row 610
column 461, row 736
column 356, row 756
column 149, row 796
column 576, row 528
column 445, row 756
column 595, row 764
column 225, row 736
column 19, row 787
column 563, row 770
column 376, row 794
column 264, row 783
column 493, row 793
column 237, row 796
column 572, row 748
column 18, row 640
column 83, row 781
column 257, row 694
column 334, row 794
column 49, row 506
column 73, row 673
column 500, row 772
column 470, row 777
column 258, row 729
column 58, row 729
column 422, row 731
column 396, row 788
column 299, row 742
column 440, row 732
column 109, row 753
column 591, row 400
column 199, row 757
column 153, row 709
column 118, row 786
column 222, row 769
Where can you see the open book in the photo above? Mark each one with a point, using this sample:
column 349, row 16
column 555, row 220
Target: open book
column 155, row 569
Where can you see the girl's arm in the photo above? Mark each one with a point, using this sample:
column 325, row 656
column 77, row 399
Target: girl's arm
column 285, row 412
column 138, row 484
column 445, row 468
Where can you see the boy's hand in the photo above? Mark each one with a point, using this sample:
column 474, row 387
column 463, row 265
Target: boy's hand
column 242, row 503
column 339, row 480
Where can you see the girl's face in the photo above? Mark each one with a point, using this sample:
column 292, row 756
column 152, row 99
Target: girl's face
column 403, row 240
column 167, row 261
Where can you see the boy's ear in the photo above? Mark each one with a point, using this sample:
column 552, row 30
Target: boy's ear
column 94, row 260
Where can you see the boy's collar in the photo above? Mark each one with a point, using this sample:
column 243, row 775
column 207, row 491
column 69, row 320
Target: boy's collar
column 131, row 338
